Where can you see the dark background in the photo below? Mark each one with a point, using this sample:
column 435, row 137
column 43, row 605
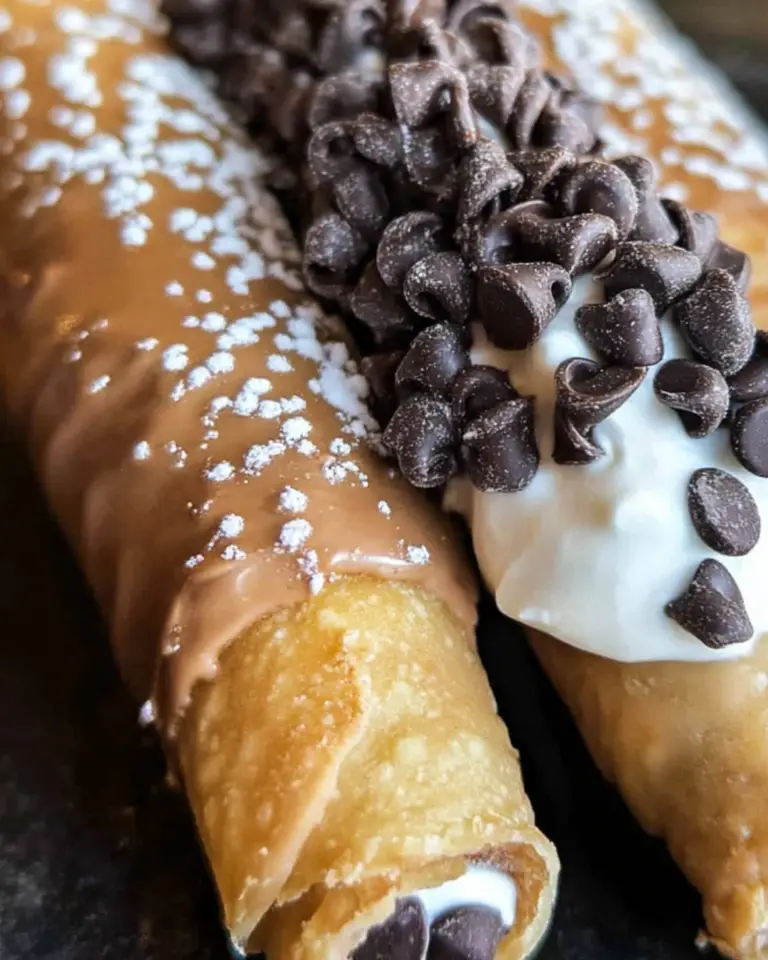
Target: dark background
column 98, row 858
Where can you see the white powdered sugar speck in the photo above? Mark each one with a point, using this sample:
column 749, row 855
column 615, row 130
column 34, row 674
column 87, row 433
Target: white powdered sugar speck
column 294, row 534
column 293, row 501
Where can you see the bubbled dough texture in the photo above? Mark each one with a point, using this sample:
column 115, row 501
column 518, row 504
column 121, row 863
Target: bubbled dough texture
column 593, row 554
column 685, row 743
column 163, row 466
column 375, row 766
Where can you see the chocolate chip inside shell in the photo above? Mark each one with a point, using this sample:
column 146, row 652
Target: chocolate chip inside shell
column 439, row 287
column 723, row 512
column 404, row 935
column 516, row 302
column 712, row 608
column 432, row 362
column 597, row 186
column 697, row 392
column 499, row 447
column 749, row 436
column 468, row 933
column 716, row 321
column 421, row 435
column 624, row 331
column 667, row 273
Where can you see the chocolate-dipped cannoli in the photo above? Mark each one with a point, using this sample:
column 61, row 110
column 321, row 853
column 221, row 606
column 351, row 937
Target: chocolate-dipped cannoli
column 296, row 622
column 542, row 216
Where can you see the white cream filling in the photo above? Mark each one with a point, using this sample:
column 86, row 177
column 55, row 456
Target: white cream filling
column 480, row 886
column 592, row 554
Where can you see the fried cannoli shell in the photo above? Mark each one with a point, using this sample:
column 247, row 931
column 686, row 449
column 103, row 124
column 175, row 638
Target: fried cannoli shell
column 687, row 745
column 349, row 752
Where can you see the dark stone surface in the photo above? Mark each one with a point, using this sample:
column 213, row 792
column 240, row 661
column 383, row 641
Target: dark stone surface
column 98, row 858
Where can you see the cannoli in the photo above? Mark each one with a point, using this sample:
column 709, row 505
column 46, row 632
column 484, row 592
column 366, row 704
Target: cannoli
column 548, row 221
column 296, row 622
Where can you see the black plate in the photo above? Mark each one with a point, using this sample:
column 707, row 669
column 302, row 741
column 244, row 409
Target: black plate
column 98, row 858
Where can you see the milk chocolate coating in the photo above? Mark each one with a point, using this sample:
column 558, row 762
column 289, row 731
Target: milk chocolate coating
column 172, row 378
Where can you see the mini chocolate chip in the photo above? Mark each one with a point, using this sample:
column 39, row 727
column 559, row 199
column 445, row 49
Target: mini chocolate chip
column 624, row 331
column 652, row 222
column 350, row 31
column 699, row 394
column 384, row 313
column 724, row 512
column 751, row 382
column 479, row 388
column 422, row 436
column 378, row 140
column 493, row 89
column 432, row 362
column 424, row 89
column 404, row 935
column 516, row 302
column 430, row 161
column 341, row 97
column 407, row 240
column 361, row 199
column 597, row 186
column 574, row 443
column 697, row 232
column 735, row 262
column 749, row 436
column 717, row 323
column 558, row 126
column 541, row 168
column 531, row 100
column 379, row 370
column 591, row 392
column 486, row 178
column 712, row 608
column 331, row 151
column 467, row 933
column 667, row 273
column 499, row 447
column 333, row 254
column 440, row 287
column 577, row 243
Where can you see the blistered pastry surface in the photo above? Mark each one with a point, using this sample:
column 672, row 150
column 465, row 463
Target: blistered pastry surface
column 200, row 432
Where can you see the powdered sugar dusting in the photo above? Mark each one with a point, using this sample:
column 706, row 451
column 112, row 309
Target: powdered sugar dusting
column 172, row 131
column 662, row 74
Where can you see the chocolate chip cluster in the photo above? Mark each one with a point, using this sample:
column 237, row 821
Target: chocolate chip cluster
column 464, row 933
column 457, row 194
column 453, row 180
